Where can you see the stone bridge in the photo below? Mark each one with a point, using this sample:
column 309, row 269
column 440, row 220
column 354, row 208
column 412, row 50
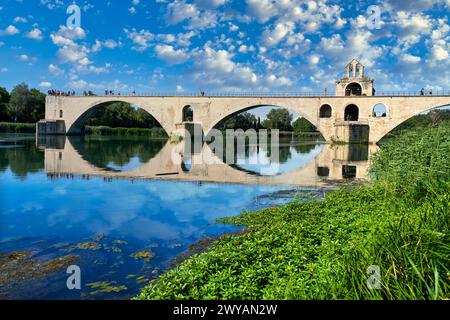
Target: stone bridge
column 335, row 117
column 329, row 165
column 354, row 114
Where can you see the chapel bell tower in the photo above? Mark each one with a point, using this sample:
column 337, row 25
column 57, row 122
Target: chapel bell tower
column 355, row 83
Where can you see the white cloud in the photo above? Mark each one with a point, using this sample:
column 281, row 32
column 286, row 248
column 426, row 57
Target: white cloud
column 170, row 55
column 411, row 27
column 314, row 59
column 273, row 37
column 9, row 31
column 408, row 58
column 180, row 11
column 35, row 34
column 20, row 19
column 45, row 84
column 263, row 10
column 141, row 39
column 26, row 58
column 439, row 53
column 53, row 69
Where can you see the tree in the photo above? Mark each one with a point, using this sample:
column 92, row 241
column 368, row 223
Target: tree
column 303, row 125
column 4, row 101
column 278, row 119
column 244, row 121
column 122, row 114
column 37, row 111
column 26, row 105
column 20, row 103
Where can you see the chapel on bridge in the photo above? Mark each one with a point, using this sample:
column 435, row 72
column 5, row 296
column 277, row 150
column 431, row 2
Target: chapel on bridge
column 355, row 83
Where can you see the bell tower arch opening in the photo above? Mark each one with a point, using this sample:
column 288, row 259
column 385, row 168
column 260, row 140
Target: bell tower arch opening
column 353, row 89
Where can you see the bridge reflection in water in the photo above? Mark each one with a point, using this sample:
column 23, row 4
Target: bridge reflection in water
column 316, row 165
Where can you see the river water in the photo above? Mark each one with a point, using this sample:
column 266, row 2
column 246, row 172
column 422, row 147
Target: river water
column 123, row 210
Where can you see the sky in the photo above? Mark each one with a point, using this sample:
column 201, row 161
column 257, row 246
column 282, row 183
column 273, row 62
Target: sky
column 184, row 46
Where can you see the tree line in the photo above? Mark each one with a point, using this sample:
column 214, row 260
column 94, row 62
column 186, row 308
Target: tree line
column 23, row 104
column 280, row 119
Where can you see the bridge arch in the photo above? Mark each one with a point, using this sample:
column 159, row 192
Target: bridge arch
column 402, row 120
column 325, row 111
column 238, row 110
column 80, row 120
column 188, row 114
column 351, row 113
column 380, row 110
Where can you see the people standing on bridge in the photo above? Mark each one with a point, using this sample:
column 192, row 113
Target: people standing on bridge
column 134, row 93
column 106, row 92
column 431, row 92
column 422, row 92
column 325, row 92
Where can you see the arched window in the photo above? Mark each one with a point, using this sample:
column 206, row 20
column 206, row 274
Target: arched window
column 353, row 89
column 323, row 171
column 61, row 114
column 351, row 113
column 379, row 110
column 349, row 172
column 188, row 114
column 325, row 111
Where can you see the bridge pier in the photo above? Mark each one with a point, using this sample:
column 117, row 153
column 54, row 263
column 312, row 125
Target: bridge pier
column 51, row 127
column 353, row 132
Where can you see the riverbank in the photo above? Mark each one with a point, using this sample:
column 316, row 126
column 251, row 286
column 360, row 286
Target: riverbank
column 109, row 131
column 10, row 127
column 155, row 133
column 398, row 223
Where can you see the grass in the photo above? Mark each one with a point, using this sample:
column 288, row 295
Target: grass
column 11, row 127
column 323, row 249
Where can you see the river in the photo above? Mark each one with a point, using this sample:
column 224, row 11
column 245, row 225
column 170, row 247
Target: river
column 124, row 211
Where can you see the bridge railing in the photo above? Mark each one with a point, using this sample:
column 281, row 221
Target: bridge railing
column 258, row 94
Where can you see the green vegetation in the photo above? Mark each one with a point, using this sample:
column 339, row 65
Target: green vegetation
column 123, row 115
column 12, row 127
column 431, row 119
column 302, row 125
column 322, row 249
column 155, row 133
column 279, row 119
column 21, row 157
column 103, row 152
column 244, row 121
column 22, row 105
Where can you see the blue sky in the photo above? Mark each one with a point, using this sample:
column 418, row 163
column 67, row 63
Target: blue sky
column 223, row 45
